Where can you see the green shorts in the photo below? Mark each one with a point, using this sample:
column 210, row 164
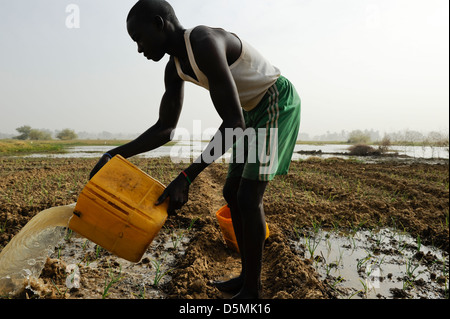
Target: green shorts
column 266, row 148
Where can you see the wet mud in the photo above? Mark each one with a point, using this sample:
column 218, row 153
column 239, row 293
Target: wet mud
column 190, row 252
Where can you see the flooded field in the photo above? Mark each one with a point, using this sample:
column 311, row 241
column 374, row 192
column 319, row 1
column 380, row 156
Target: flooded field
column 338, row 229
column 186, row 150
column 381, row 263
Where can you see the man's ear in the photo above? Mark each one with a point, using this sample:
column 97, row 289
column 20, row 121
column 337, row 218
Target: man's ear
column 159, row 22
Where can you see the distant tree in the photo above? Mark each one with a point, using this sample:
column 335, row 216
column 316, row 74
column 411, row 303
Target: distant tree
column 411, row 137
column 385, row 144
column 67, row 134
column 358, row 137
column 36, row 134
column 24, row 131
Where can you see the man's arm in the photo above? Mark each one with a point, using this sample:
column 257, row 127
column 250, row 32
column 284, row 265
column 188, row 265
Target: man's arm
column 160, row 133
column 211, row 58
column 210, row 55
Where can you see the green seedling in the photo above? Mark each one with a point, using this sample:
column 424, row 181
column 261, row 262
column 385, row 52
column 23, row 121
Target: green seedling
column 159, row 273
column 419, row 243
column 98, row 250
column 62, row 294
column 410, row 268
column 351, row 239
column 332, row 197
column 141, row 294
column 112, row 280
column 407, row 283
column 68, row 235
column 328, row 266
column 362, row 261
column 316, row 226
column 3, row 226
column 379, row 237
column 365, row 287
column 177, row 236
column 354, row 294
column 312, row 243
column 59, row 251
column 335, row 226
column 297, row 231
column 328, row 242
column 85, row 244
column 336, row 282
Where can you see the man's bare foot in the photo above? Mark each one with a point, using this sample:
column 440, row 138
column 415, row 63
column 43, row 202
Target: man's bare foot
column 246, row 295
column 232, row 286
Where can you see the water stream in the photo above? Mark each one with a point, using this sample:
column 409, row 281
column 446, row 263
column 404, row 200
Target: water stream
column 25, row 255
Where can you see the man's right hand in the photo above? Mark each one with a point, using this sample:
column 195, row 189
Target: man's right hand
column 103, row 160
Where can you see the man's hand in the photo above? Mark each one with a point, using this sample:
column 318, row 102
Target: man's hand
column 178, row 193
column 103, row 160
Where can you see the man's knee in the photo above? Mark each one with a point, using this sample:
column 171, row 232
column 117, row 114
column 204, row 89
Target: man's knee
column 250, row 196
column 247, row 203
column 230, row 190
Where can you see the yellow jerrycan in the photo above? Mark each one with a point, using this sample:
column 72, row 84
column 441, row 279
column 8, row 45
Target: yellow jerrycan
column 116, row 209
column 226, row 226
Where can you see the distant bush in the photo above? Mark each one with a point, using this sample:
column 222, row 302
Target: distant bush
column 40, row 135
column 24, row 132
column 28, row 133
column 358, row 137
column 363, row 150
column 385, row 144
column 67, row 134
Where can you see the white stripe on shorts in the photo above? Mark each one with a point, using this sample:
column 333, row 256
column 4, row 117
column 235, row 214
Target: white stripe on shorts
column 268, row 163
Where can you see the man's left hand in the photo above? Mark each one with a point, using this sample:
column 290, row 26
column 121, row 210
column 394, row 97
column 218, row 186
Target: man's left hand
column 178, row 193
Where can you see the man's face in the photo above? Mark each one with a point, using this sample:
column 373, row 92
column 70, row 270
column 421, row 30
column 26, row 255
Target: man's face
column 149, row 38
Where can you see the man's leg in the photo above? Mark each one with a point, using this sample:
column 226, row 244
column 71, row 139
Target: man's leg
column 253, row 229
column 244, row 197
column 279, row 114
column 230, row 191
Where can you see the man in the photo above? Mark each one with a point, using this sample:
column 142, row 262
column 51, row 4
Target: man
column 252, row 99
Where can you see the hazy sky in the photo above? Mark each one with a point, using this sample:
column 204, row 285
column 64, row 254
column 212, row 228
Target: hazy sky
column 357, row 64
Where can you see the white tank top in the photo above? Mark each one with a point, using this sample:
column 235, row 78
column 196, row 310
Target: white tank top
column 252, row 73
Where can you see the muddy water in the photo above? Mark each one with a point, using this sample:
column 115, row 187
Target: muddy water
column 377, row 264
column 47, row 236
column 24, row 256
column 87, row 264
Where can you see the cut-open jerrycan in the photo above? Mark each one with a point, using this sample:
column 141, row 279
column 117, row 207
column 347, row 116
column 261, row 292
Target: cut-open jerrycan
column 226, row 226
column 116, row 209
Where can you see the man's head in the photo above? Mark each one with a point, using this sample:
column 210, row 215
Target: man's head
column 147, row 23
